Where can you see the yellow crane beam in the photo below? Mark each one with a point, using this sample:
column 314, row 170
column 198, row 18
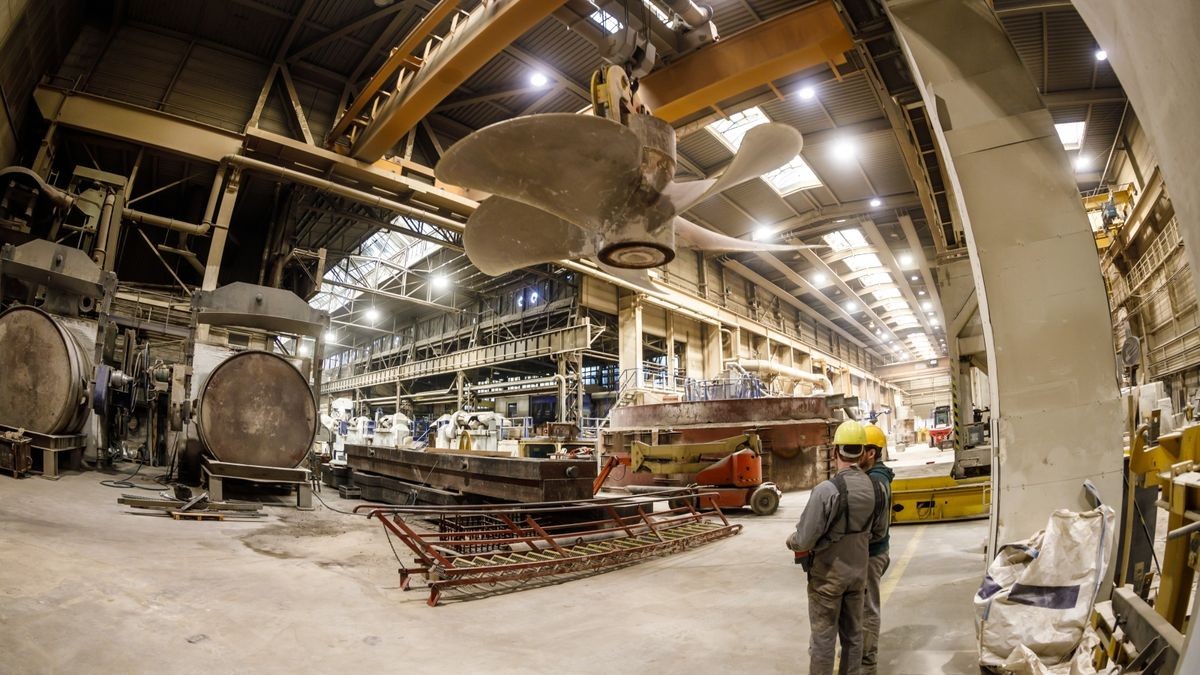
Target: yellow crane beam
column 755, row 57
column 475, row 40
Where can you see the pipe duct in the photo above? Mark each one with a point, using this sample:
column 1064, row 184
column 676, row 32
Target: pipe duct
column 764, row 366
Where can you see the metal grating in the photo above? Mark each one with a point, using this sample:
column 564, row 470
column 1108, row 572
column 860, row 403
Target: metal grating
column 704, row 149
column 1071, row 50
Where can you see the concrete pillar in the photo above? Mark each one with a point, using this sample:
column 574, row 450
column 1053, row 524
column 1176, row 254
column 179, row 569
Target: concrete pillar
column 713, row 351
column 629, row 336
column 671, row 370
column 1041, row 298
column 1157, row 58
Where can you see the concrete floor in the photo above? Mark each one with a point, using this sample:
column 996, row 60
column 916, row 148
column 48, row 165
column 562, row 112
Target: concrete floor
column 87, row 585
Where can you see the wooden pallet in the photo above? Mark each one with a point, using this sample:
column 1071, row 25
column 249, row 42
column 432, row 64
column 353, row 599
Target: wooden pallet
column 196, row 515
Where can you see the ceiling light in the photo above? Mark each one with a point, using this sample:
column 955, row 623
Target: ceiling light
column 840, row 220
column 807, row 93
column 876, row 202
column 762, row 233
column 926, row 305
column 913, row 278
column 538, row 80
column 1083, row 163
column 1101, row 55
column 819, row 278
column 845, row 149
column 905, row 258
column 920, row 292
column 305, row 350
column 372, row 315
column 331, row 335
column 440, row 281
column 851, row 306
column 933, row 322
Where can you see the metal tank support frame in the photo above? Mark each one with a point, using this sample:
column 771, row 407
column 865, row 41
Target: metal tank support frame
column 71, row 284
column 272, row 310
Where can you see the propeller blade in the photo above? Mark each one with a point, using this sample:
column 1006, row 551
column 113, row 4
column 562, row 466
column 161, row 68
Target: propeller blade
column 705, row 239
column 581, row 168
column 764, row 148
column 503, row 235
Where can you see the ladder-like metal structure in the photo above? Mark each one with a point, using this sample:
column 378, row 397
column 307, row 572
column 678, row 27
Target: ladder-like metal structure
column 510, row 545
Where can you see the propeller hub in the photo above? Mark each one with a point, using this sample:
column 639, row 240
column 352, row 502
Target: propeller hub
column 637, row 255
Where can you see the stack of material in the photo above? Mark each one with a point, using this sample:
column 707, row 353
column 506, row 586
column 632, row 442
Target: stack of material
column 516, row 479
column 195, row 508
column 14, row 453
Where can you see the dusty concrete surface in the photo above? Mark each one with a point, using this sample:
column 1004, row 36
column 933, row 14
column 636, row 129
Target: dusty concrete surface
column 87, row 586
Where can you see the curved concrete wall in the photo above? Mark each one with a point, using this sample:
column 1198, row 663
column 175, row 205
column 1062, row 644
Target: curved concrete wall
column 1041, row 297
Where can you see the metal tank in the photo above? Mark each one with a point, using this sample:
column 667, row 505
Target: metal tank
column 257, row 408
column 44, row 373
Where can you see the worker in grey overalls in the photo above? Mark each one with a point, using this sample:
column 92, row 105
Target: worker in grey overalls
column 831, row 543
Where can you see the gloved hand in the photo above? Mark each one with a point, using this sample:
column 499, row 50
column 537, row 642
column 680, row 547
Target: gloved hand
column 804, row 560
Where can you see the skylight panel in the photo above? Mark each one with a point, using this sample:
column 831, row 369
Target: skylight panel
column 731, row 131
column 886, row 293
column 606, row 21
column 793, row 176
column 862, row 261
column 895, row 305
column 1071, row 134
column 875, row 279
column 845, row 239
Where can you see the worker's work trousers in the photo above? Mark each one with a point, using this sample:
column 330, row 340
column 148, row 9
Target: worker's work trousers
column 833, row 612
column 876, row 566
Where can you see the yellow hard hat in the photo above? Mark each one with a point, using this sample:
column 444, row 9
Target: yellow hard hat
column 875, row 436
column 850, row 433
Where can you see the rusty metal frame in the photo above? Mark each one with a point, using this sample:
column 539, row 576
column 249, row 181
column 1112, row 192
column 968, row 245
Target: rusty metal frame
column 543, row 547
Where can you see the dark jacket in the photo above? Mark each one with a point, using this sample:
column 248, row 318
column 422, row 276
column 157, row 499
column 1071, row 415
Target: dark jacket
column 882, row 474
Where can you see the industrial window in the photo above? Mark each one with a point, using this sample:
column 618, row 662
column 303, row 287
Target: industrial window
column 606, row 21
column 381, row 258
column 844, row 239
column 1071, row 134
column 793, row 176
column 731, row 131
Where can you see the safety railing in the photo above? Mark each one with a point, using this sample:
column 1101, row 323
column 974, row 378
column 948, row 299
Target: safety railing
column 744, row 386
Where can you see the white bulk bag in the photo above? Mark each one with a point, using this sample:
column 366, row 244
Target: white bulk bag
column 1038, row 593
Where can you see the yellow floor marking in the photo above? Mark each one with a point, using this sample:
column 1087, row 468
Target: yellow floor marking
column 892, row 577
